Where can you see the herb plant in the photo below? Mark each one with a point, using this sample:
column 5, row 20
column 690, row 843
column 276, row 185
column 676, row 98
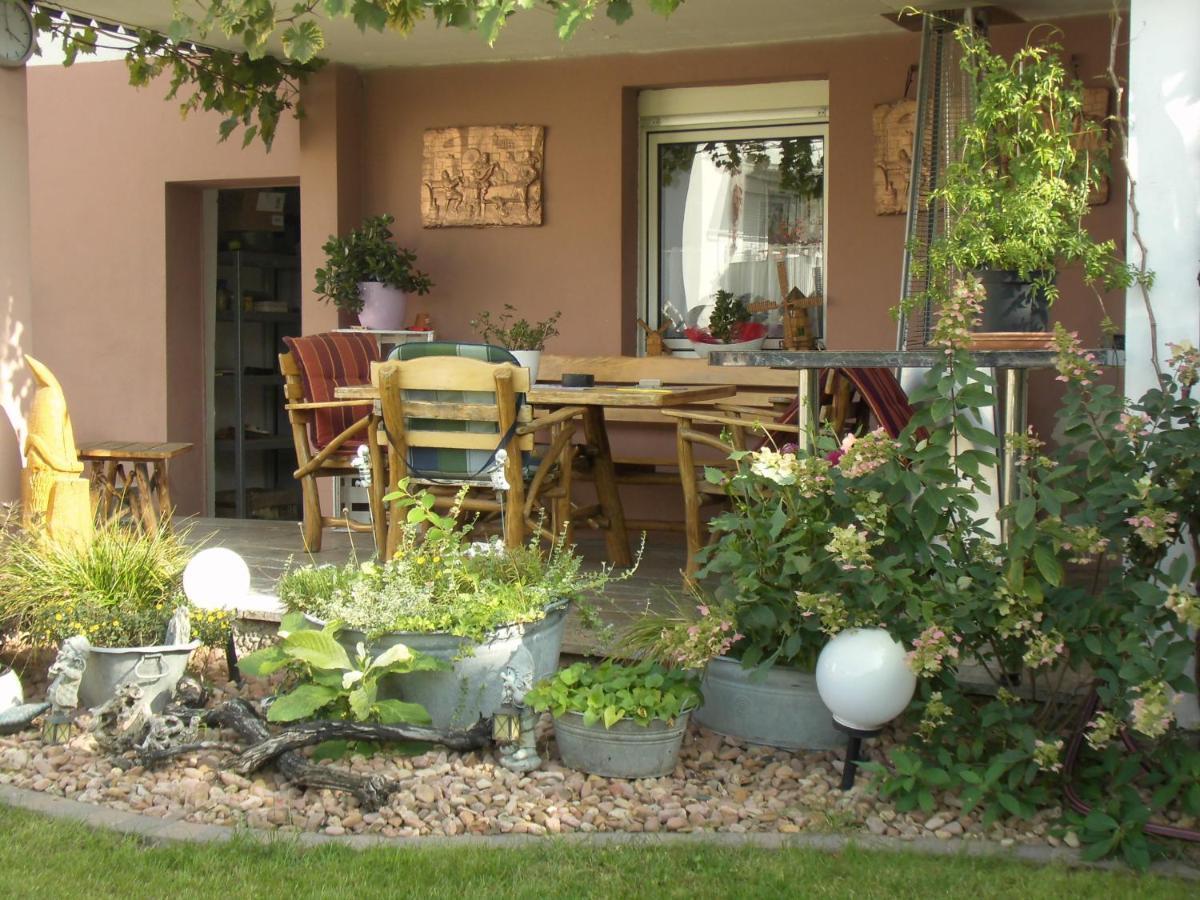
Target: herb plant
column 118, row 590
column 515, row 334
column 611, row 692
column 367, row 253
column 441, row 581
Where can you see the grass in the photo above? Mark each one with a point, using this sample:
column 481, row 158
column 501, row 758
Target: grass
column 41, row 857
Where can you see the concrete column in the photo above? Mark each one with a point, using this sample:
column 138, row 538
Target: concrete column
column 1164, row 151
column 16, row 302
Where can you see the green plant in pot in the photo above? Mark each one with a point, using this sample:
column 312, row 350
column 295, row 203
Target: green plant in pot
column 621, row 721
column 472, row 603
column 524, row 339
column 367, row 274
column 729, row 326
column 118, row 590
column 1016, row 197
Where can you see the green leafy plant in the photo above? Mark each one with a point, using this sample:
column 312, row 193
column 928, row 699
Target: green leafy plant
column 119, row 589
column 368, row 253
column 327, row 683
column 1017, row 195
column 515, row 334
column 611, row 692
column 439, row 580
column 728, row 313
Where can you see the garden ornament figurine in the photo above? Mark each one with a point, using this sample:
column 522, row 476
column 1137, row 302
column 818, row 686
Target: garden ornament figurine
column 179, row 627
column 52, row 486
column 66, row 672
column 517, row 678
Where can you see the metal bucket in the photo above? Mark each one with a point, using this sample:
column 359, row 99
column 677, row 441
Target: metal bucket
column 470, row 690
column 156, row 670
column 782, row 710
column 627, row 750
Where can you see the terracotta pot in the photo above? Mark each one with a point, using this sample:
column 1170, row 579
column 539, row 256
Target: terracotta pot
column 384, row 306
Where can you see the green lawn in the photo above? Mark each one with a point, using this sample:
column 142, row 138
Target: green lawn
column 40, row 857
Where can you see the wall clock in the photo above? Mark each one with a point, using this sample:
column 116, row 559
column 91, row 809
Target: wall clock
column 17, row 34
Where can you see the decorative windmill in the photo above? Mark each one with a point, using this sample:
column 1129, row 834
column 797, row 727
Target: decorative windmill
column 794, row 309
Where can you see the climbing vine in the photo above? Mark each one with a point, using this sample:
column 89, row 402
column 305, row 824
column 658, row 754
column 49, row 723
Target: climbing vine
column 246, row 59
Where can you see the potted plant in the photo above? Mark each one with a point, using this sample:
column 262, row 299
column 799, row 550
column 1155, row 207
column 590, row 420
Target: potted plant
column 525, row 340
column 477, row 605
column 620, row 721
column 1016, row 197
column 119, row 590
column 367, row 274
column 729, row 327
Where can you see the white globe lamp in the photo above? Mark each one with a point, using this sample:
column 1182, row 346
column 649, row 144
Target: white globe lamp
column 864, row 679
column 216, row 578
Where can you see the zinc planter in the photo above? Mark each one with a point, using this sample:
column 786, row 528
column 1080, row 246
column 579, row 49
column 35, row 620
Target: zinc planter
column 627, row 750
column 384, row 306
column 781, row 710
column 470, row 689
column 156, row 670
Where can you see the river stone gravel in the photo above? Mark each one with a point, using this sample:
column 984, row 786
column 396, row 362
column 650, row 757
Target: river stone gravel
column 719, row 785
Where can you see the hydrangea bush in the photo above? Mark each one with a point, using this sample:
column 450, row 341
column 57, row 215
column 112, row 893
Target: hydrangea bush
column 1085, row 596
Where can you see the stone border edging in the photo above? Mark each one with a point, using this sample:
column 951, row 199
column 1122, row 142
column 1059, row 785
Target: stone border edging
column 163, row 831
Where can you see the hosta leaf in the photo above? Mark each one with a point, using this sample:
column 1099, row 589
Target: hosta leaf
column 263, row 662
column 390, row 711
column 301, row 703
column 397, row 653
column 317, row 648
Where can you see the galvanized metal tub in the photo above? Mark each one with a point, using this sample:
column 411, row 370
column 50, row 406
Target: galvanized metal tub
column 156, row 670
column 782, row 710
column 627, row 750
column 471, row 688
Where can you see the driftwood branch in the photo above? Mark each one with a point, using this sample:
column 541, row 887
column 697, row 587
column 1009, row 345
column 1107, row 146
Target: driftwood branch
column 259, row 748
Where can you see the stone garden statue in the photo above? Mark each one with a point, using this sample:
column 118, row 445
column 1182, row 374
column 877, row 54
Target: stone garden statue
column 67, row 672
column 517, row 679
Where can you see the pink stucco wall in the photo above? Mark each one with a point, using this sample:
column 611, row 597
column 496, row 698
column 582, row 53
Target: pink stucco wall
column 115, row 181
column 123, row 337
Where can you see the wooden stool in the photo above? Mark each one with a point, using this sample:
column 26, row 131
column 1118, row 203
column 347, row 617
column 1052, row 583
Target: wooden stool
column 146, row 481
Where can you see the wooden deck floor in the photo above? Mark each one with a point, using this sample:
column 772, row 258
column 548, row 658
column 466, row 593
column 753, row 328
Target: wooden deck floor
column 271, row 548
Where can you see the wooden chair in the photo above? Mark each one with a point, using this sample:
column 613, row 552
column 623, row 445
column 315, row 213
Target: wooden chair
column 328, row 433
column 850, row 398
column 441, row 412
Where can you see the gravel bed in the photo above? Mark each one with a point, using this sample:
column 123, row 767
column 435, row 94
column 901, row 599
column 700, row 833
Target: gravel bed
column 719, row 785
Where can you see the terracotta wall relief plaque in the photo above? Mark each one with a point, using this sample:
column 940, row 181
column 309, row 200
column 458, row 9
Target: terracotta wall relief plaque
column 893, row 124
column 482, row 175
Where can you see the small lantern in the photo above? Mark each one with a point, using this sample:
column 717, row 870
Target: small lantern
column 56, row 728
column 506, row 724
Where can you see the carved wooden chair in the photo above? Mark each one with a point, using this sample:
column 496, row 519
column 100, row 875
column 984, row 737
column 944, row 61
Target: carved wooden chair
column 444, row 420
column 327, row 432
column 850, row 400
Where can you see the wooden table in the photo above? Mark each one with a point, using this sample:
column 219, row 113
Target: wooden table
column 146, row 481
column 1012, row 371
column 595, row 400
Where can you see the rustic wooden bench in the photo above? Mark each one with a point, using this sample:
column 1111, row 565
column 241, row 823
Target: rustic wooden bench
column 146, row 482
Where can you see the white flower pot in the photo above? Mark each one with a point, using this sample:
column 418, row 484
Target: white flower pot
column 702, row 349
column 531, row 360
column 384, row 306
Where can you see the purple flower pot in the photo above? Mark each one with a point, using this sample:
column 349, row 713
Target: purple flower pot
column 384, row 306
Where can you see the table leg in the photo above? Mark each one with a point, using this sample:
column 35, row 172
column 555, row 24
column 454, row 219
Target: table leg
column 145, row 502
column 378, row 486
column 107, row 489
column 1013, row 416
column 160, row 483
column 808, row 409
column 605, row 473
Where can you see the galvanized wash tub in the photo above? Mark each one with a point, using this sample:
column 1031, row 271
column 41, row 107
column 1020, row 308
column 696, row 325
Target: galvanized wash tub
column 627, row 750
column 782, row 710
column 156, row 670
column 470, row 690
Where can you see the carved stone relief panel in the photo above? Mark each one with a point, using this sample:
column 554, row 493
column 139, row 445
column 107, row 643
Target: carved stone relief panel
column 893, row 155
column 482, row 175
